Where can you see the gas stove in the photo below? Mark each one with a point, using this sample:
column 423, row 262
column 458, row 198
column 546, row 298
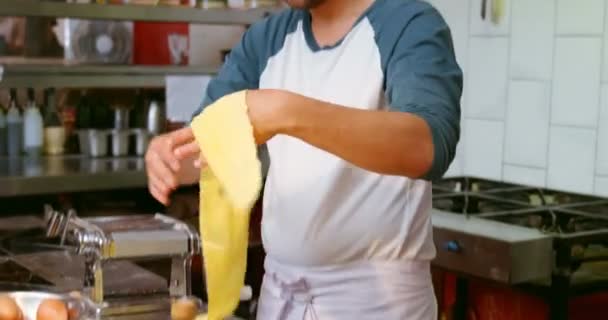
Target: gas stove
column 514, row 233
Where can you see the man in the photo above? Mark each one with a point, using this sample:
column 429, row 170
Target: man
column 357, row 102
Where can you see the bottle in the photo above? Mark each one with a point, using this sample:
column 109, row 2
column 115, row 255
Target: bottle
column 156, row 118
column 138, row 115
column 51, row 115
column 54, row 132
column 14, row 124
column 83, row 112
column 32, row 127
column 3, row 133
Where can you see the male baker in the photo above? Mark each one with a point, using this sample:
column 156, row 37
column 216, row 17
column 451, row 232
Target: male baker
column 357, row 102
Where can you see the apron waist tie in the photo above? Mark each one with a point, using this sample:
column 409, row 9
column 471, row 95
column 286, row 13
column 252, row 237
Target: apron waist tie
column 290, row 292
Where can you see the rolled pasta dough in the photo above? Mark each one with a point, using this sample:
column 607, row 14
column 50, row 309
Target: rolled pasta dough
column 230, row 186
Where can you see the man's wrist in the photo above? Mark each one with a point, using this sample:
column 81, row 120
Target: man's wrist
column 288, row 107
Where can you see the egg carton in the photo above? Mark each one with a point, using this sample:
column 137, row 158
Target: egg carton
column 28, row 302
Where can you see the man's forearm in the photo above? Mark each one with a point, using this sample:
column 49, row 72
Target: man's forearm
column 395, row 143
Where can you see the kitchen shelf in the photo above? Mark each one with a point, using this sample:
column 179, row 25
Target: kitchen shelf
column 51, row 175
column 35, row 8
column 44, row 73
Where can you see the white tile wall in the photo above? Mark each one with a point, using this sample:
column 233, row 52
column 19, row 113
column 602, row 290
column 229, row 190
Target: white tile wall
column 456, row 168
column 576, row 83
column 487, row 26
column 523, row 175
column 484, row 158
column 571, row 159
column 601, row 186
column 527, row 124
column 533, row 87
column 602, row 143
column 580, row 17
column 456, row 14
column 605, row 56
column 532, row 39
column 487, row 78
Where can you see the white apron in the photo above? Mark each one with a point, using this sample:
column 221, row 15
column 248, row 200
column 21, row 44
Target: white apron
column 398, row 290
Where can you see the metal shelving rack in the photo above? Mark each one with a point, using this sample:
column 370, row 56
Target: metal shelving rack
column 55, row 74
column 79, row 76
column 70, row 174
column 52, row 175
column 37, row 8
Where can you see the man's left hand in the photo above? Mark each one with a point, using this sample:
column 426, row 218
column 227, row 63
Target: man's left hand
column 267, row 112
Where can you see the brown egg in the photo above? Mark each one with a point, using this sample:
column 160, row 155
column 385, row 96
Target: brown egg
column 183, row 309
column 9, row 310
column 52, row 309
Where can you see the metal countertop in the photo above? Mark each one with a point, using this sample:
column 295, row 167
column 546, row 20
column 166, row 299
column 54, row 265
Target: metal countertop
column 47, row 175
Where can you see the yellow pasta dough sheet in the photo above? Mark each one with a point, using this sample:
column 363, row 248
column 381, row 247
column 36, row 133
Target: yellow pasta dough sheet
column 230, row 186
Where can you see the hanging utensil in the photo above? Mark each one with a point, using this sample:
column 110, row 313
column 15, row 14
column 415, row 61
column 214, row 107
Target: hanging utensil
column 497, row 10
column 484, row 7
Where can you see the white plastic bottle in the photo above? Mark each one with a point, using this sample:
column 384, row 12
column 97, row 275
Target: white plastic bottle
column 32, row 127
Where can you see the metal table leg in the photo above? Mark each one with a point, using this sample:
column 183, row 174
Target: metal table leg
column 462, row 299
column 558, row 300
column 560, row 283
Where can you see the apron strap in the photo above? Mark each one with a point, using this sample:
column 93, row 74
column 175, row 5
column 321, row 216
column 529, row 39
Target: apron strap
column 290, row 292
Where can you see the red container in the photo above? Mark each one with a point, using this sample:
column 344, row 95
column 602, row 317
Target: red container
column 151, row 42
column 587, row 307
column 487, row 301
column 491, row 302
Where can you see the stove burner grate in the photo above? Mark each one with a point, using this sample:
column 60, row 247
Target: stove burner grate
column 455, row 185
column 553, row 221
column 471, row 203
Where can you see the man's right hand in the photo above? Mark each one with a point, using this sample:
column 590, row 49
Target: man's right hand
column 165, row 169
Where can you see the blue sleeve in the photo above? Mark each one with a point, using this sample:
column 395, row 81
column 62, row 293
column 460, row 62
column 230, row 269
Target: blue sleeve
column 423, row 78
column 247, row 60
column 240, row 70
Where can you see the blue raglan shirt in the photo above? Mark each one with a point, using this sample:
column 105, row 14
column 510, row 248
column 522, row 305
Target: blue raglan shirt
column 398, row 56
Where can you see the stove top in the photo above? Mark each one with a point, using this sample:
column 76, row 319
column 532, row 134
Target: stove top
column 599, row 208
column 550, row 211
column 554, row 221
column 473, row 203
column 467, row 184
column 517, row 234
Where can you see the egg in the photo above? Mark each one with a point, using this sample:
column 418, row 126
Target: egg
column 52, row 309
column 73, row 311
column 183, row 309
column 9, row 310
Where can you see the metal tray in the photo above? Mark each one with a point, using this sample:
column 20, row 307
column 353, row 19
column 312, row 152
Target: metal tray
column 28, row 302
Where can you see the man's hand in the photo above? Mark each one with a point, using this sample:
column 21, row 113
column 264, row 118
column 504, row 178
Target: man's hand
column 164, row 168
column 267, row 112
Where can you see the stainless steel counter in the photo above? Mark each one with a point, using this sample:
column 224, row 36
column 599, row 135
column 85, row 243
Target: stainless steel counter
column 46, row 175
